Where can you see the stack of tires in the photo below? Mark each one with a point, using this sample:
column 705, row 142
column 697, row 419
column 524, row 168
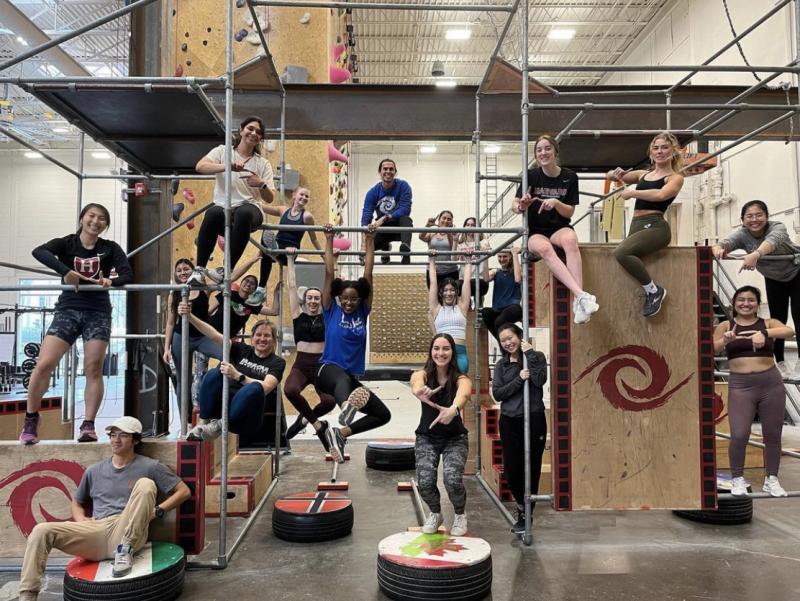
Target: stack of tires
column 392, row 455
column 309, row 517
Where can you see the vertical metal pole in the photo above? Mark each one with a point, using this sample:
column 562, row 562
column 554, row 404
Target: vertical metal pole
column 476, row 137
column 526, row 539
column 795, row 120
column 185, row 404
column 72, row 374
column 276, row 462
column 226, row 285
column 66, row 409
column 668, row 100
column 81, row 152
column 283, row 150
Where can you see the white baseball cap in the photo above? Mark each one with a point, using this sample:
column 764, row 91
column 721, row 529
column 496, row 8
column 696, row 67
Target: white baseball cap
column 128, row 424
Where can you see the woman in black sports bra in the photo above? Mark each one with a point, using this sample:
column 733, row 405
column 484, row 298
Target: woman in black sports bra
column 309, row 338
column 655, row 190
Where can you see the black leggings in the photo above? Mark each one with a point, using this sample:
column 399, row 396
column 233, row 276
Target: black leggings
column 333, row 380
column 266, row 266
column 778, row 296
column 512, row 432
column 383, row 241
column 245, row 219
column 494, row 318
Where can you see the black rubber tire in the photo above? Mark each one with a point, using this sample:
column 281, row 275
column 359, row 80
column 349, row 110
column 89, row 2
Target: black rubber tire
column 166, row 585
column 390, row 460
column 29, row 365
column 729, row 512
column 26, row 381
column 32, row 349
column 404, row 583
column 312, row 527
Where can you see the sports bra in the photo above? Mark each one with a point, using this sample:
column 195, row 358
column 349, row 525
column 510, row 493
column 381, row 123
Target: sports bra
column 743, row 347
column 649, row 205
column 309, row 328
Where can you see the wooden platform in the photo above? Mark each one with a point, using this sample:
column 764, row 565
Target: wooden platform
column 12, row 418
column 37, row 483
column 632, row 397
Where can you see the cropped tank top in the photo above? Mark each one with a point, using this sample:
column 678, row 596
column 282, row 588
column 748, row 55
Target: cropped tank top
column 285, row 239
column 743, row 347
column 441, row 244
column 649, row 205
column 309, row 328
column 450, row 320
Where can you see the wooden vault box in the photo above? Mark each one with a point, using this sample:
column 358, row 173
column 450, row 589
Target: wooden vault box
column 632, row 397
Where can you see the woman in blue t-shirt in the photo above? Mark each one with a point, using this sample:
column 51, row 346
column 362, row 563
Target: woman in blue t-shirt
column 507, row 295
column 346, row 305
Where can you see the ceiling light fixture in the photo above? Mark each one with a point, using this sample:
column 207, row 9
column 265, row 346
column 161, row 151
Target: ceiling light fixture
column 458, row 34
column 561, row 34
column 492, row 149
column 427, row 149
column 22, row 40
column 446, row 83
column 100, row 154
column 33, row 155
column 60, row 130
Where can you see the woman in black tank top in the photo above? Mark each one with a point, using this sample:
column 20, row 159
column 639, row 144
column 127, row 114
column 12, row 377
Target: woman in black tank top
column 755, row 385
column 309, row 338
column 655, row 190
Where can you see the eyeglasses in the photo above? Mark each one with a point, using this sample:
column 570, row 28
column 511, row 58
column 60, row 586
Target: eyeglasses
column 119, row 435
column 753, row 216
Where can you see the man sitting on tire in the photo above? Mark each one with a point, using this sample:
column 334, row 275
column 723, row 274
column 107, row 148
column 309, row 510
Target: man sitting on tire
column 122, row 490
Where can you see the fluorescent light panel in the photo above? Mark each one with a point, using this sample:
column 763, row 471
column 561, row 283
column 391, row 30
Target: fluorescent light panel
column 561, row 34
column 492, row 149
column 33, row 155
column 427, row 149
column 446, row 83
column 458, row 34
column 100, row 154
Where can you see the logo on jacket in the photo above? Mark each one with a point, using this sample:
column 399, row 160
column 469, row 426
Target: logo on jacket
column 387, row 204
column 89, row 268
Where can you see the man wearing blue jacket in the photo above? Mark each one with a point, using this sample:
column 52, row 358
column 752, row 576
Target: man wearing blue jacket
column 389, row 203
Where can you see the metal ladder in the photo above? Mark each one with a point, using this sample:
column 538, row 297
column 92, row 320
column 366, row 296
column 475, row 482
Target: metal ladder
column 490, row 188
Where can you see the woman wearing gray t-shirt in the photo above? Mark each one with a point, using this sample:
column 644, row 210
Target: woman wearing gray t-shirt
column 760, row 237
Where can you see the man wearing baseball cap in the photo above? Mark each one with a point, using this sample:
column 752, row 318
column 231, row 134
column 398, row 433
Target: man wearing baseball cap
column 122, row 490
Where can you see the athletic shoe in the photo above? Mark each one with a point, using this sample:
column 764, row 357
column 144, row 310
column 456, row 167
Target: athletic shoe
column 357, row 399
column 579, row 314
column 588, row 303
column 406, row 260
column 216, row 275
column 459, row 525
column 207, row 431
column 739, row 487
column 298, row 427
column 30, row 430
column 86, row 432
column 773, row 487
column 786, row 371
column 123, row 561
column 268, row 240
column 653, row 301
column 28, row 596
column 432, row 523
column 257, row 298
column 336, row 442
column 385, row 259
column 197, row 278
column 322, row 435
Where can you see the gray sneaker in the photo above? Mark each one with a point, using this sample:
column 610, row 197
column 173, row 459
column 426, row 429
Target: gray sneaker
column 336, row 442
column 357, row 399
column 123, row 561
column 208, row 431
column 653, row 301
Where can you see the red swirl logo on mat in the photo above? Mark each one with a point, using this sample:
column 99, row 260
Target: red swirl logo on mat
column 34, row 484
column 648, row 363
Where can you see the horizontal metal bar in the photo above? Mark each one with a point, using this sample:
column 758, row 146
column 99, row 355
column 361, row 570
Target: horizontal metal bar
column 95, row 288
column 589, row 106
column 762, row 257
column 31, row 269
column 726, row 496
column 382, row 253
column 387, row 6
column 137, row 336
column 171, row 229
column 110, row 82
column 633, row 132
column 7, row 132
column 505, row 178
column 393, row 230
column 761, row 445
column 662, row 68
column 609, row 92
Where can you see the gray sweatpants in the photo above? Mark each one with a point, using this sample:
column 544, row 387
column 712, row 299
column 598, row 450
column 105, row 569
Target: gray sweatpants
column 454, row 453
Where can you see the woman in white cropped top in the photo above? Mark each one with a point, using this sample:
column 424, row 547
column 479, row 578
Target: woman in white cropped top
column 447, row 309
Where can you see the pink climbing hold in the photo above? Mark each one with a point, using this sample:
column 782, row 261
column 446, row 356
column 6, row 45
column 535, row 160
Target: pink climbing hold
column 337, row 51
column 342, row 243
column 335, row 155
column 338, row 75
column 188, row 195
column 179, row 71
column 190, row 224
column 221, row 242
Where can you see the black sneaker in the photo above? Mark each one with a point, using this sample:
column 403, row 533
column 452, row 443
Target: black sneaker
column 385, row 259
column 297, row 427
column 321, row 434
column 653, row 301
column 519, row 526
column 406, row 260
column 336, row 442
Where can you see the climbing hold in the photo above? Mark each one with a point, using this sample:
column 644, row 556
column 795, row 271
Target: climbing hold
column 334, row 154
column 188, row 195
column 342, row 243
column 240, row 3
column 179, row 71
column 189, row 63
column 190, row 224
column 304, row 20
column 240, row 35
column 221, row 242
column 184, row 47
column 177, row 209
column 338, row 75
column 337, row 51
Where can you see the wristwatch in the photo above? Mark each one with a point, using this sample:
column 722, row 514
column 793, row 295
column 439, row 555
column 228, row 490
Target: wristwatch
column 240, row 379
column 160, row 512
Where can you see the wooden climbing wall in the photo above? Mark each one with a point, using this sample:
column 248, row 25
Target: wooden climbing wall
column 539, row 295
column 398, row 327
column 632, row 398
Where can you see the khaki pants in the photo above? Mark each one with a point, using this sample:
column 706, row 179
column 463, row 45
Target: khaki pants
column 94, row 540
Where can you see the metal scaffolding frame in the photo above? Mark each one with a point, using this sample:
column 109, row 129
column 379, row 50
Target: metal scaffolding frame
column 197, row 85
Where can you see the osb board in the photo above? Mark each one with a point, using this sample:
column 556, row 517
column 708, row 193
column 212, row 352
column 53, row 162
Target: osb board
column 305, row 45
column 251, row 475
column 399, row 319
column 12, row 418
column 38, row 481
column 632, row 397
column 540, row 295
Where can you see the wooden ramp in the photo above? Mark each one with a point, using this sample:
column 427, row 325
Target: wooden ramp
column 12, row 417
column 632, row 398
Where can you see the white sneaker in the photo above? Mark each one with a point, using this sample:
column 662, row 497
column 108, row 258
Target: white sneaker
column 786, row 371
column 773, row 487
column 580, row 315
column 123, row 561
column 207, row 431
column 197, row 278
column 588, row 303
column 432, row 523
column 459, row 525
column 739, row 487
column 795, row 375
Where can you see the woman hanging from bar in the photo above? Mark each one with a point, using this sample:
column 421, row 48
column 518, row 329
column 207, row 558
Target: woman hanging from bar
column 654, row 191
column 198, row 343
column 508, row 389
column 254, row 371
column 441, row 241
column 550, row 201
column 447, row 311
column 755, row 385
column 347, row 305
column 251, row 189
column 80, row 258
column 443, row 391
column 293, row 215
column 507, row 294
column 760, row 237
column 309, row 338
column 466, row 244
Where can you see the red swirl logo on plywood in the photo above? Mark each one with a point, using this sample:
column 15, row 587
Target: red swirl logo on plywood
column 26, row 499
column 645, row 361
